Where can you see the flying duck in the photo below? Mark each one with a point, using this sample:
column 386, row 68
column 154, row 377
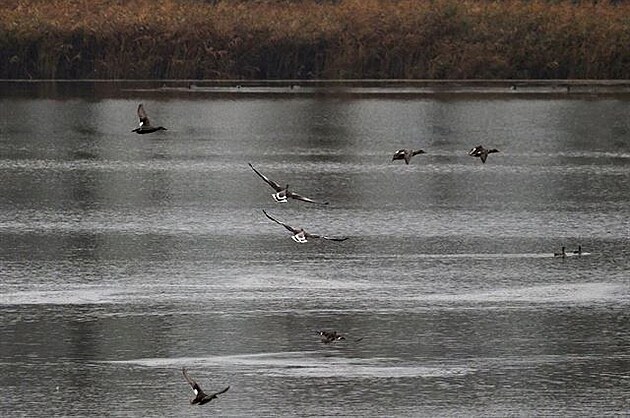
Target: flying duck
column 300, row 235
column 200, row 396
column 330, row 336
column 282, row 194
column 406, row 154
column 481, row 152
column 145, row 126
column 560, row 254
column 578, row 251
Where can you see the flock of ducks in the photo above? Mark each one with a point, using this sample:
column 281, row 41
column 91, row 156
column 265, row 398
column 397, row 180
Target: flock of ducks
column 478, row 151
column 282, row 194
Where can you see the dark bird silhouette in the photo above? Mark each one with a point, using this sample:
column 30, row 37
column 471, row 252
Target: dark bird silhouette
column 406, row 154
column 328, row 337
column 282, row 194
column 200, row 396
column 578, row 251
column 560, row 254
column 145, row 126
column 300, row 235
column 481, row 152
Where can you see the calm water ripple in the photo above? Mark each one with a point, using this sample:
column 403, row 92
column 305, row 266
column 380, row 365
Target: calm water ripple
column 125, row 258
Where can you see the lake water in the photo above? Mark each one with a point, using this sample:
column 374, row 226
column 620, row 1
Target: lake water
column 125, row 257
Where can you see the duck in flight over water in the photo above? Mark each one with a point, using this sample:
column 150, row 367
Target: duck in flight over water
column 282, row 194
column 406, row 154
column 578, row 251
column 481, row 152
column 145, row 126
column 300, row 235
column 328, row 337
column 200, row 396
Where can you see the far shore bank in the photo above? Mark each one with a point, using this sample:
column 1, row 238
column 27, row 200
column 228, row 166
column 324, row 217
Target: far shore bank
column 314, row 39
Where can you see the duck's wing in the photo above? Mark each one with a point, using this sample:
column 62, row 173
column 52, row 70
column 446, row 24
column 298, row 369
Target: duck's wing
column 309, row 235
column 289, row 227
column 195, row 387
column 267, row 180
column 294, row 195
column 220, row 392
column 483, row 156
column 142, row 115
column 334, row 238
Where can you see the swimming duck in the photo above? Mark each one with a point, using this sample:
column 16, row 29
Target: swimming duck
column 560, row 254
column 481, row 152
column 200, row 396
column 145, row 126
column 282, row 194
column 406, row 154
column 300, row 235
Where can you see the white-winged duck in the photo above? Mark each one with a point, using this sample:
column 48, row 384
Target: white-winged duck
column 300, row 235
column 282, row 194
column 145, row 125
column 200, row 396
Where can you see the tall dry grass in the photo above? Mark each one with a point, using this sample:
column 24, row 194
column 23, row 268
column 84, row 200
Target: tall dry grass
column 435, row 39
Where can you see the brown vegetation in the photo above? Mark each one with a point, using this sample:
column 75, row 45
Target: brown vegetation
column 358, row 39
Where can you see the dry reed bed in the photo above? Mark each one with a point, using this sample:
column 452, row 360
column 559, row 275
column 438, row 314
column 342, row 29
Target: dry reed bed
column 438, row 39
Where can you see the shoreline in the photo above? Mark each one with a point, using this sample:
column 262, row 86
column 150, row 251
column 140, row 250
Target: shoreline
column 354, row 87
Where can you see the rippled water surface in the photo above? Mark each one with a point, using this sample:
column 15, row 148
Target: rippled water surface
column 124, row 258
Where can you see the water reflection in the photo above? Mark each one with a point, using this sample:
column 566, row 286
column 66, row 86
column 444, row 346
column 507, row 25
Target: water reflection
column 126, row 257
